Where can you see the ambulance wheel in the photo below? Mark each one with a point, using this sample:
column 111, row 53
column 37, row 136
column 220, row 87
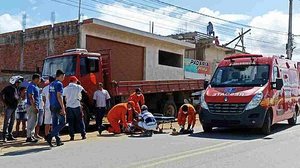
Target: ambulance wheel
column 293, row 120
column 266, row 128
column 206, row 128
column 170, row 109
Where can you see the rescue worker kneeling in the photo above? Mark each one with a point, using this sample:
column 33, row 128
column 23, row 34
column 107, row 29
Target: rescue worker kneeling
column 118, row 116
column 186, row 110
column 147, row 122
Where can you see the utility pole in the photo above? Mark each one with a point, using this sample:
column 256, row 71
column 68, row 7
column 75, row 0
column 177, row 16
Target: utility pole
column 78, row 25
column 24, row 18
column 289, row 45
column 79, row 11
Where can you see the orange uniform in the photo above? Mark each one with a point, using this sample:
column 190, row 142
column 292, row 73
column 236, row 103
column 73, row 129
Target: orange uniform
column 139, row 100
column 191, row 114
column 118, row 114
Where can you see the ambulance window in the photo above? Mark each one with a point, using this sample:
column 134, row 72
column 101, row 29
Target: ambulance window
column 275, row 74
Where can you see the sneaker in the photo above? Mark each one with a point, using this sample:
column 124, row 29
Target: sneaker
column 49, row 140
column 72, row 138
column 32, row 140
column 149, row 133
column 4, row 140
column 83, row 137
column 38, row 137
column 59, row 143
column 11, row 138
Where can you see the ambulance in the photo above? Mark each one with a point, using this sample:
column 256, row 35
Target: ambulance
column 251, row 91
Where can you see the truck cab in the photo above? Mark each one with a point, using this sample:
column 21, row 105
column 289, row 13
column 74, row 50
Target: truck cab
column 251, row 91
column 89, row 68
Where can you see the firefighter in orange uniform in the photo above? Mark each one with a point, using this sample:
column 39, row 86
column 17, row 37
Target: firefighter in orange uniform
column 119, row 115
column 187, row 110
column 138, row 98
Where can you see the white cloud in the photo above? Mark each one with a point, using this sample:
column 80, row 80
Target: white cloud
column 167, row 20
column 268, row 42
column 32, row 1
column 10, row 23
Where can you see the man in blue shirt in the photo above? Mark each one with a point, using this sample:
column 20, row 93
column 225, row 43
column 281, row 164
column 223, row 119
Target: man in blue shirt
column 33, row 102
column 57, row 108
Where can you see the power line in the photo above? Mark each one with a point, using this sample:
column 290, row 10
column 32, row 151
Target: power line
column 240, row 24
column 86, row 7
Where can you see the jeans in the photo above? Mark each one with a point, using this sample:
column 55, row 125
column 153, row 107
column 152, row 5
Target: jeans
column 32, row 121
column 9, row 120
column 75, row 120
column 99, row 116
column 58, row 122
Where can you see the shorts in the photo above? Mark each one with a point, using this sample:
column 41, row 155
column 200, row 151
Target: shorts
column 48, row 116
column 21, row 116
column 150, row 126
column 40, row 117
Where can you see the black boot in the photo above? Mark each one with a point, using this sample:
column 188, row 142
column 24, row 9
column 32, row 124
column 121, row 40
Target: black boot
column 49, row 140
column 4, row 139
column 58, row 142
column 11, row 138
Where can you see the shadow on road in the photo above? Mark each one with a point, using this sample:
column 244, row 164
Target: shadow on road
column 28, row 151
column 240, row 134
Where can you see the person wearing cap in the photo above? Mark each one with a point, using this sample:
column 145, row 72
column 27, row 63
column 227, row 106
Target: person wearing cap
column 47, row 111
column 138, row 98
column 72, row 95
column 57, row 108
column 101, row 103
column 10, row 97
column 187, row 111
column 41, row 113
column 33, row 102
column 147, row 122
column 118, row 115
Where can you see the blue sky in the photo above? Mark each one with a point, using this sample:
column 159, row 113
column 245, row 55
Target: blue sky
column 39, row 10
column 268, row 14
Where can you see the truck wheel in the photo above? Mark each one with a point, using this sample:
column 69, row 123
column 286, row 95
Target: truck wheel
column 293, row 120
column 206, row 128
column 170, row 109
column 86, row 117
column 266, row 128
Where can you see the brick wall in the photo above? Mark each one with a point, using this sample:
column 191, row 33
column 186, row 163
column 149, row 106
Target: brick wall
column 127, row 61
column 36, row 44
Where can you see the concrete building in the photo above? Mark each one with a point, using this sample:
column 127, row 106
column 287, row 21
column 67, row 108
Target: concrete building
column 136, row 55
column 206, row 51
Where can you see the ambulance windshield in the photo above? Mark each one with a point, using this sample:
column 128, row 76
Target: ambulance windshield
column 241, row 75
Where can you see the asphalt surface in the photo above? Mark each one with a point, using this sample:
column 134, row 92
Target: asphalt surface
column 223, row 148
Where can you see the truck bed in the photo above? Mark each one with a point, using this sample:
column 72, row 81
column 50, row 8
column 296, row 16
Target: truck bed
column 124, row 88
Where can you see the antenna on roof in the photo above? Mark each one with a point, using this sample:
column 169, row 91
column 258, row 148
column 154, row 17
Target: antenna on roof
column 52, row 18
column 24, row 17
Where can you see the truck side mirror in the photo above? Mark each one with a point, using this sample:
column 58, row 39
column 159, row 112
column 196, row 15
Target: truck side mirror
column 206, row 83
column 278, row 84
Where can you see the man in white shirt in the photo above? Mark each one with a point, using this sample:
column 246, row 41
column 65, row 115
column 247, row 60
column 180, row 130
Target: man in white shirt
column 72, row 95
column 47, row 114
column 101, row 103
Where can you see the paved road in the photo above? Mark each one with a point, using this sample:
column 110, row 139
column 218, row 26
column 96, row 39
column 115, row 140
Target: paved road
column 224, row 148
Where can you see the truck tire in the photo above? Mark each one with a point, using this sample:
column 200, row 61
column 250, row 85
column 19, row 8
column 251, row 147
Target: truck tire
column 266, row 128
column 293, row 120
column 86, row 116
column 206, row 128
column 170, row 109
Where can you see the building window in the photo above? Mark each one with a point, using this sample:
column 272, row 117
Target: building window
column 170, row 59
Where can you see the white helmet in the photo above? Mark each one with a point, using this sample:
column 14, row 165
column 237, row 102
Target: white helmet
column 15, row 79
column 144, row 108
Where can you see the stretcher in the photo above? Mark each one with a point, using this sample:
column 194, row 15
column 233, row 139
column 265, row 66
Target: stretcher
column 161, row 120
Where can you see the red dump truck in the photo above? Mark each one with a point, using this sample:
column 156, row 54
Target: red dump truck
column 161, row 96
